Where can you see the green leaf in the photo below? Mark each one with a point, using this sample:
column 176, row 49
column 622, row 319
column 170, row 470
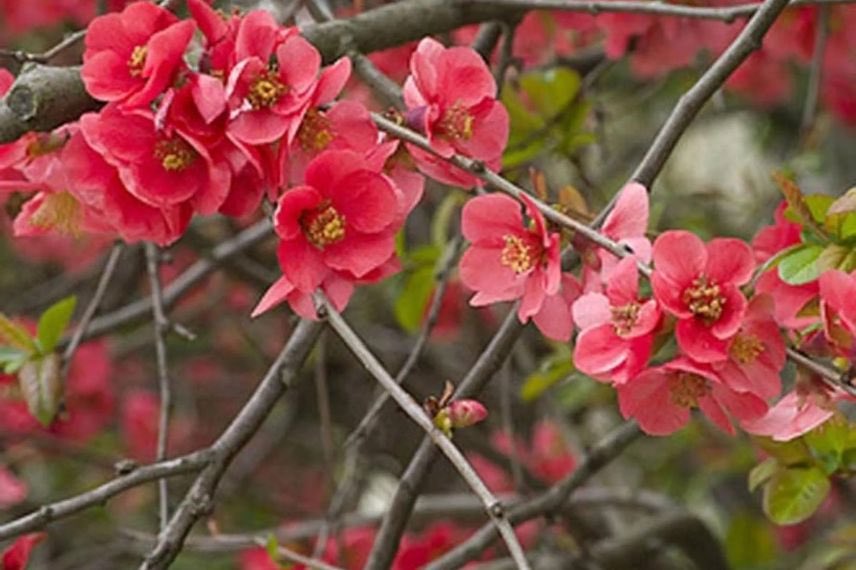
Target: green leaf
column 8, row 353
column 551, row 91
column 793, row 495
column 793, row 452
column 411, row 302
column 554, row 369
column 762, row 472
column 801, row 265
column 41, row 386
column 829, row 441
column 16, row 336
column 53, row 323
column 750, row 542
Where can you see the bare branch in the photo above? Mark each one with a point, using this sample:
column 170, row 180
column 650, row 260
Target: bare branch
column 492, row 505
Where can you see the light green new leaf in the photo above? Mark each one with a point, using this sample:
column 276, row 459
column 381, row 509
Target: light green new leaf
column 16, row 336
column 53, row 323
column 829, row 441
column 762, row 472
column 793, row 495
column 800, row 266
column 41, row 386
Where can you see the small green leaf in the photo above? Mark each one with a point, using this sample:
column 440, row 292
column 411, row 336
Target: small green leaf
column 750, row 542
column 762, row 472
column 8, row 353
column 41, row 386
column 793, row 452
column 411, row 302
column 801, row 265
column 793, row 495
column 829, row 441
column 16, row 336
column 53, row 323
column 552, row 370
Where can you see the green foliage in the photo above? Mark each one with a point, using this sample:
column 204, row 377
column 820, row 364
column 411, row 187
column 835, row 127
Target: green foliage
column 547, row 113
column 793, row 495
column 749, row 542
column 41, row 386
column 553, row 369
column 53, row 323
column 800, row 265
column 418, row 283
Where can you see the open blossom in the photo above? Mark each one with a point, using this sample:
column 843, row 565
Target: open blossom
column 617, row 329
column 838, row 310
column 271, row 86
column 661, row 398
column 133, row 56
column 756, row 354
column 451, row 98
column 509, row 259
column 699, row 284
column 627, row 224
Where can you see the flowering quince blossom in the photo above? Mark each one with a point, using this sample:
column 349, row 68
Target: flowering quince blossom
column 616, row 328
column 756, row 354
column 337, row 229
column 451, row 98
column 17, row 556
column 788, row 299
column 508, row 259
column 661, row 398
column 699, row 284
column 554, row 320
column 838, row 310
column 626, row 224
column 12, row 489
column 133, row 56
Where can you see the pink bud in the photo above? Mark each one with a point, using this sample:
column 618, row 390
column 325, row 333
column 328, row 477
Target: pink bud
column 463, row 413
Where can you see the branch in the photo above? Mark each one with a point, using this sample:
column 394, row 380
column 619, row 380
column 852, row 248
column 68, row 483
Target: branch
column 62, row 509
column 726, row 14
column 198, row 501
column 161, row 326
column 492, row 505
column 548, row 502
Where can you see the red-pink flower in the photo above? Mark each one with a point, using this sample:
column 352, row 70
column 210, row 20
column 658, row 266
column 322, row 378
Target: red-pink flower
column 133, row 56
column 661, row 398
column 17, row 555
column 464, row 413
column 627, row 224
column 342, row 219
column 554, row 320
column 699, row 284
column 791, row 417
column 617, row 329
column 162, row 167
column 271, row 85
column 838, row 309
column 756, row 354
column 451, row 97
column 12, row 489
column 509, row 259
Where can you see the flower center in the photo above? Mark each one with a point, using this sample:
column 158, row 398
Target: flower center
column 704, row 299
column 686, row 388
column 517, row 254
column 266, row 90
column 315, row 132
column 175, row 154
column 456, row 123
column 624, row 318
column 745, row 348
column 60, row 212
column 137, row 60
column 324, row 225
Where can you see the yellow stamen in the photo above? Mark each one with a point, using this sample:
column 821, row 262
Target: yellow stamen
column 685, row 389
column 517, row 254
column 704, row 299
column 137, row 60
column 266, row 90
column 745, row 348
column 324, row 226
column 175, row 154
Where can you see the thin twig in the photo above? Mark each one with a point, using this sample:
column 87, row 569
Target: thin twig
column 725, row 14
column 198, row 501
column 492, row 505
column 94, row 303
column 98, row 496
column 161, row 326
column 598, row 456
column 815, row 72
column 293, row 556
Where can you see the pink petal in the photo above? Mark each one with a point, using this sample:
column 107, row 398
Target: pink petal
column 697, row 342
column 679, row 257
column 486, row 219
column 598, row 350
column 276, row 294
column 592, row 310
column 629, row 217
column 729, row 261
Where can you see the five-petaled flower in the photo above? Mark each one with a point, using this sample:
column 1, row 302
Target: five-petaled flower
column 699, row 284
column 509, row 259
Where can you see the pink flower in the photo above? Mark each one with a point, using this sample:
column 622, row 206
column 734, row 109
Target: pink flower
column 464, row 413
column 271, row 85
column 554, row 320
column 12, row 489
column 451, row 97
column 133, row 56
column 508, row 259
column 756, row 354
column 627, row 224
column 17, row 555
column 837, row 308
column 617, row 329
column 661, row 398
column 793, row 416
column 699, row 284
column 342, row 219
column 162, row 167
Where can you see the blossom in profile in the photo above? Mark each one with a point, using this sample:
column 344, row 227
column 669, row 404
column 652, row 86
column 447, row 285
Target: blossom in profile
column 451, row 98
column 508, row 258
column 626, row 224
column 131, row 57
column 616, row 328
column 661, row 398
column 838, row 309
column 700, row 285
